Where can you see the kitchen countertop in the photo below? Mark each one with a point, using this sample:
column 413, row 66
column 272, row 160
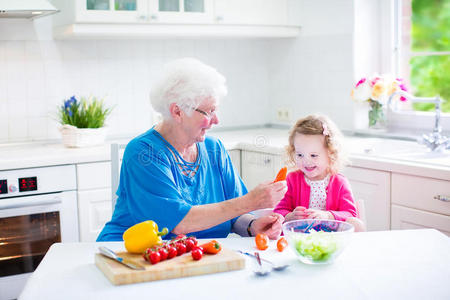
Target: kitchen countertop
column 406, row 264
column 374, row 153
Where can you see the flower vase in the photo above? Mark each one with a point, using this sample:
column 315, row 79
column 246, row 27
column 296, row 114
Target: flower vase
column 73, row 137
column 377, row 115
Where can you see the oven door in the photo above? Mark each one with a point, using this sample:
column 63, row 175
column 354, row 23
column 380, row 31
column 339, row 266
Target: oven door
column 29, row 225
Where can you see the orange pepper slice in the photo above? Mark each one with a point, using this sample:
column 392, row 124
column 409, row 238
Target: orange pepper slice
column 212, row 247
column 281, row 174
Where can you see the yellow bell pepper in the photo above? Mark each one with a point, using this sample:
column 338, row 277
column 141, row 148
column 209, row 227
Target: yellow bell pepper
column 143, row 235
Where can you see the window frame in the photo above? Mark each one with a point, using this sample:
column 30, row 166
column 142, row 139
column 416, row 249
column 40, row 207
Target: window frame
column 412, row 122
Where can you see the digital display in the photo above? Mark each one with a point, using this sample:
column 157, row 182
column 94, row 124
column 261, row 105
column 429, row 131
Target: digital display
column 27, row 184
column 3, row 186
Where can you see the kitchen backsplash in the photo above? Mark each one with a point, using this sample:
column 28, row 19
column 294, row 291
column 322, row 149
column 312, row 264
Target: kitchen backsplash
column 307, row 74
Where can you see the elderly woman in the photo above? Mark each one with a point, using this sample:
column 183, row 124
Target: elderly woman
column 183, row 180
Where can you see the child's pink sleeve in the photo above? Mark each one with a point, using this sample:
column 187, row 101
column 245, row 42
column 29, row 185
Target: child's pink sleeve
column 346, row 203
column 286, row 205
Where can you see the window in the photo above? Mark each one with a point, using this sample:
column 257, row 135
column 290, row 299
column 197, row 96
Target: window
column 423, row 41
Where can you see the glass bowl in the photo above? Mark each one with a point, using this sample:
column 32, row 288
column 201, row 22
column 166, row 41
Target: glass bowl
column 317, row 241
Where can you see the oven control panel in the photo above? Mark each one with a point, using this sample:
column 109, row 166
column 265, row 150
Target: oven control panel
column 3, row 186
column 25, row 184
column 35, row 181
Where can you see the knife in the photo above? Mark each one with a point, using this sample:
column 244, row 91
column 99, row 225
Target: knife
column 111, row 254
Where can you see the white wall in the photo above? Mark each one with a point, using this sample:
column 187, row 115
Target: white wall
column 310, row 73
column 314, row 73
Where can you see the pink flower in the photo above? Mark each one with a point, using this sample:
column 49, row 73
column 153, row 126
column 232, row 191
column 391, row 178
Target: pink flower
column 374, row 81
column 361, row 81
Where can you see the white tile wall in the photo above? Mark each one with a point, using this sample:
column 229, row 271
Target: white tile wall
column 311, row 73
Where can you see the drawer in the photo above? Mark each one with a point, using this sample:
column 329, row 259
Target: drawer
column 94, row 175
column 410, row 218
column 421, row 193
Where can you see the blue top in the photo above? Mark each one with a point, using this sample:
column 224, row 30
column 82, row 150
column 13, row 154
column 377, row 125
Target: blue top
column 153, row 187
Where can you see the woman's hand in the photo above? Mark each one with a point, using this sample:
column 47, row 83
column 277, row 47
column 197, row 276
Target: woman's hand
column 297, row 214
column 318, row 214
column 270, row 225
column 267, row 195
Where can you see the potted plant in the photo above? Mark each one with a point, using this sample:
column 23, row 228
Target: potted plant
column 83, row 122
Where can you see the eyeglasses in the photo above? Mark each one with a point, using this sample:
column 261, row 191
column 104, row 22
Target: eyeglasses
column 209, row 115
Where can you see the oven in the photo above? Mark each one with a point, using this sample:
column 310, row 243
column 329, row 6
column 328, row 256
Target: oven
column 38, row 207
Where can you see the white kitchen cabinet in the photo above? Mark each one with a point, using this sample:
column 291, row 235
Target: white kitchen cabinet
column 420, row 202
column 174, row 18
column 372, row 188
column 251, row 12
column 181, row 11
column 94, row 210
column 258, row 167
column 94, row 198
column 410, row 218
column 235, row 156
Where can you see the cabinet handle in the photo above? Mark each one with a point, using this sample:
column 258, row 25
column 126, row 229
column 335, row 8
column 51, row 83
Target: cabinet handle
column 267, row 161
column 219, row 18
column 142, row 18
column 442, row 198
column 154, row 17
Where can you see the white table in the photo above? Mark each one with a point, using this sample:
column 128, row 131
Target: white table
column 408, row 264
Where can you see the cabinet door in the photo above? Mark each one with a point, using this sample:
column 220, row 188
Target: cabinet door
column 181, row 11
column 94, row 175
column 251, row 12
column 111, row 11
column 235, row 156
column 259, row 167
column 94, row 210
column 410, row 218
column 372, row 188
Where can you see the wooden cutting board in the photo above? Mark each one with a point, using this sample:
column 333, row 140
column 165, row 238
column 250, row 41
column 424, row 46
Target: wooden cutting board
column 180, row 266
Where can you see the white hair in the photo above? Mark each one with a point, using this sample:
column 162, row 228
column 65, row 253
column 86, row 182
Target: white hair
column 186, row 82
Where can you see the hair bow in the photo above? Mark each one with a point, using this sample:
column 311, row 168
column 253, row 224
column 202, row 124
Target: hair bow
column 325, row 129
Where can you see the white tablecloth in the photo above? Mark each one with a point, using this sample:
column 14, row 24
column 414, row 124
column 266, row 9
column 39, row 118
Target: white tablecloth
column 408, row 264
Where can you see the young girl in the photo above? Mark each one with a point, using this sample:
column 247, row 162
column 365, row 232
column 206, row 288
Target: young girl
column 316, row 190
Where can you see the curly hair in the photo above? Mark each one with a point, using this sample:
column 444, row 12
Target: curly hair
column 319, row 125
column 186, row 82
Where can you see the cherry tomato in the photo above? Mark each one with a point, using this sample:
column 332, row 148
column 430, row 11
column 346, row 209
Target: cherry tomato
column 181, row 248
column 180, row 237
column 193, row 239
column 282, row 244
column 163, row 253
column 262, row 241
column 189, row 245
column 155, row 257
column 197, row 253
column 172, row 251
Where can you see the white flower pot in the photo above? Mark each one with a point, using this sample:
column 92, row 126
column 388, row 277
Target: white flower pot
column 74, row 137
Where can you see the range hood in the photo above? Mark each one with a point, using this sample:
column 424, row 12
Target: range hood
column 26, row 9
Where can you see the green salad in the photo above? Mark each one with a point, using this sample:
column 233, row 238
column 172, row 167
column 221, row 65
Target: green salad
column 318, row 246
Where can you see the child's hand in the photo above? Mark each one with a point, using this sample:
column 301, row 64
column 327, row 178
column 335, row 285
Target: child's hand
column 297, row 214
column 318, row 214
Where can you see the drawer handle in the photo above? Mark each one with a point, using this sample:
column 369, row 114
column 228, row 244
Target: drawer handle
column 442, row 198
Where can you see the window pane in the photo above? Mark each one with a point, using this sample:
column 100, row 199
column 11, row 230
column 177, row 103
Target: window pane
column 97, row 4
column 430, row 76
column 169, row 5
column 425, row 56
column 430, row 25
column 125, row 4
column 194, row 5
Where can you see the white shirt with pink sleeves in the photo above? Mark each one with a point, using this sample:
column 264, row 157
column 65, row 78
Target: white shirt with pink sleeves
column 318, row 196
